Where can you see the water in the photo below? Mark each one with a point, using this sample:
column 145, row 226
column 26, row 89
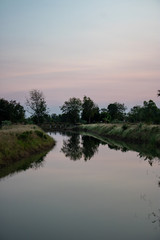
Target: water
column 83, row 189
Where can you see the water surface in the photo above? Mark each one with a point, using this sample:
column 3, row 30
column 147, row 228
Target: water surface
column 83, row 189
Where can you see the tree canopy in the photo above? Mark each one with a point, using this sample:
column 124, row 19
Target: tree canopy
column 36, row 106
column 11, row 111
column 71, row 109
column 148, row 113
column 89, row 110
column 116, row 111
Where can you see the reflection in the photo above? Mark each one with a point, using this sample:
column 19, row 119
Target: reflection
column 90, row 147
column 76, row 147
column 86, row 146
column 33, row 162
column 147, row 152
column 71, row 147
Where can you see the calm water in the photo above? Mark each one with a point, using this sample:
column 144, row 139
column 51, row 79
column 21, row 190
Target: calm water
column 83, row 189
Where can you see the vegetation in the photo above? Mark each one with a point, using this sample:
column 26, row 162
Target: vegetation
column 133, row 133
column 87, row 111
column 22, row 141
column 116, row 111
column 77, row 111
column 90, row 111
column 11, row 111
column 71, row 110
column 148, row 113
column 36, row 105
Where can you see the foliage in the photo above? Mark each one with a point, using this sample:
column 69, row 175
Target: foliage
column 116, row 111
column 90, row 111
column 24, row 136
column 36, row 105
column 6, row 123
column 105, row 116
column 148, row 113
column 71, row 110
column 11, row 111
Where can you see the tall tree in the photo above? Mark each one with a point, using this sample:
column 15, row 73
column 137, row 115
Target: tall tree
column 71, row 110
column 36, row 106
column 90, row 110
column 117, row 111
column 11, row 111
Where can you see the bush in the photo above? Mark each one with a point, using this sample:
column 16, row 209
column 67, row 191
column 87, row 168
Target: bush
column 25, row 135
column 6, row 123
column 40, row 134
column 124, row 127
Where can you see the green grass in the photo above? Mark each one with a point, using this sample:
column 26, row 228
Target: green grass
column 21, row 141
column 136, row 133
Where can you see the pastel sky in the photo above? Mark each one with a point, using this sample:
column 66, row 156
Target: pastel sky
column 108, row 50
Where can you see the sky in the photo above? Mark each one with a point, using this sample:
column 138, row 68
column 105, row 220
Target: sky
column 108, row 50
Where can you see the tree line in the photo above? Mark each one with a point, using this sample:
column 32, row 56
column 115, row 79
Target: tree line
column 76, row 111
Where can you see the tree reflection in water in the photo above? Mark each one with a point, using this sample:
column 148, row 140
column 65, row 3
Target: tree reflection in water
column 90, row 147
column 71, row 147
column 75, row 148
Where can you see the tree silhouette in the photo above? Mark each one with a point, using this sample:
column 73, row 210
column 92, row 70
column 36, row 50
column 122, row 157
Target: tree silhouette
column 89, row 110
column 36, row 105
column 71, row 110
column 11, row 111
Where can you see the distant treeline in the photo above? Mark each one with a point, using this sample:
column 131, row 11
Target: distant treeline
column 76, row 111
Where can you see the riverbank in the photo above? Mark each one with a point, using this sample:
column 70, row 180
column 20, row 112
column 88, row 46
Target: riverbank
column 132, row 133
column 22, row 141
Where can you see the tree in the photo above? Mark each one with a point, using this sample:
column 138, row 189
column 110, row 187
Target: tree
column 36, row 106
column 158, row 94
column 11, row 111
column 148, row 113
column 135, row 114
column 151, row 113
column 117, row 111
column 90, row 110
column 71, row 110
column 105, row 116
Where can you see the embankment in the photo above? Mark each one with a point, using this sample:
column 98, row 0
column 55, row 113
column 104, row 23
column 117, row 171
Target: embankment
column 131, row 133
column 22, row 141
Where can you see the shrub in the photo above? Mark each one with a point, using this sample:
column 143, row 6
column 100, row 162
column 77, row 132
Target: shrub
column 25, row 135
column 39, row 133
column 6, row 123
column 124, row 127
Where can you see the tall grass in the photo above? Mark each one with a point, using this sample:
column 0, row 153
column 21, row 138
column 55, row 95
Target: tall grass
column 20, row 141
column 140, row 133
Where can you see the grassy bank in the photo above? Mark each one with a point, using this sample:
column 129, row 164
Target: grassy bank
column 22, row 141
column 132, row 133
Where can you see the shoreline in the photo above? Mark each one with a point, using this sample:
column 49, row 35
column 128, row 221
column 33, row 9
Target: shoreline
column 131, row 133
